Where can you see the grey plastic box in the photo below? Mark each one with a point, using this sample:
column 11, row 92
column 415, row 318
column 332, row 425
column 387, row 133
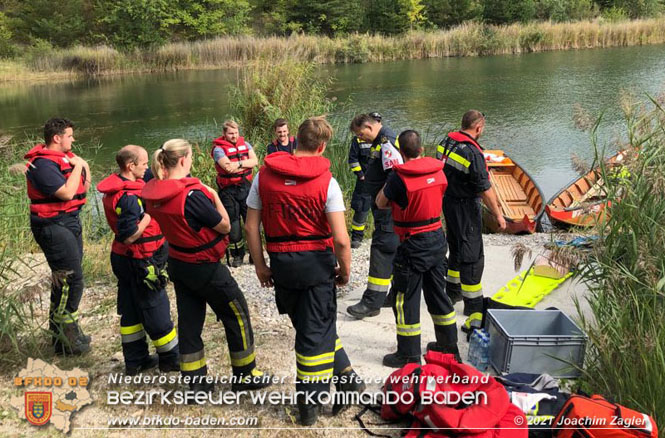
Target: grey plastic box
column 535, row 341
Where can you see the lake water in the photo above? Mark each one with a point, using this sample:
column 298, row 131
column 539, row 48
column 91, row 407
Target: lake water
column 528, row 101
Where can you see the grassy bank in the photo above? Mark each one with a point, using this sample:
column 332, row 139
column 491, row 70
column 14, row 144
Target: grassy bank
column 471, row 39
column 626, row 275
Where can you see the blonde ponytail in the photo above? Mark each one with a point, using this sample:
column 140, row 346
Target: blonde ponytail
column 167, row 156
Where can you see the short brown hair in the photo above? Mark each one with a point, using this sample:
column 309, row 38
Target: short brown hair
column 471, row 118
column 279, row 123
column 55, row 126
column 313, row 132
column 229, row 124
column 410, row 144
column 360, row 120
column 126, row 155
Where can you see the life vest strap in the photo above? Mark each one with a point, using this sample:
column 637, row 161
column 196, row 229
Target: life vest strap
column 144, row 239
column 235, row 175
column 417, row 223
column 55, row 200
column 296, row 238
column 199, row 248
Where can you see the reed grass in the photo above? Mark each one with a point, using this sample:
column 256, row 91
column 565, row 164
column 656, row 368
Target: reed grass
column 625, row 274
column 468, row 39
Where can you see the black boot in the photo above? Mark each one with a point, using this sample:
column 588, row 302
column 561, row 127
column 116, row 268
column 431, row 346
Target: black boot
column 360, row 310
column 70, row 340
column 200, row 387
column 347, row 382
column 149, row 363
column 167, row 366
column 397, row 360
column 309, row 413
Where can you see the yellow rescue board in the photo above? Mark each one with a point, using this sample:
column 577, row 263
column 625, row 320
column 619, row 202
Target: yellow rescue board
column 527, row 290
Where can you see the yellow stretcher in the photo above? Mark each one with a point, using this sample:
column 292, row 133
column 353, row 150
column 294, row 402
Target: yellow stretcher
column 527, row 290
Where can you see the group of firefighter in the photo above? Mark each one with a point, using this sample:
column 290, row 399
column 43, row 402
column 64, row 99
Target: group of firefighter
column 168, row 225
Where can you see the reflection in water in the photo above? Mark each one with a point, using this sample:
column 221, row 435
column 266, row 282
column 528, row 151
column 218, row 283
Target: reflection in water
column 528, row 101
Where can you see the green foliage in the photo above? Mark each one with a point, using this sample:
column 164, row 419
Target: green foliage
column 330, row 17
column 385, row 17
column 566, row 10
column 625, row 273
column 266, row 91
column 635, row 8
column 209, row 18
column 508, row 11
column 7, row 49
column 615, row 14
column 447, row 13
column 69, row 23
column 132, row 23
column 414, row 11
column 128, row 24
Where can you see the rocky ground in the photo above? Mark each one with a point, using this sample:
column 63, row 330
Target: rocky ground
column 365, row 341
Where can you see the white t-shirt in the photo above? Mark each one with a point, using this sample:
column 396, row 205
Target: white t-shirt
column 335, row 201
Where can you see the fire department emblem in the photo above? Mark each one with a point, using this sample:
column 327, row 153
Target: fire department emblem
column 38, row 407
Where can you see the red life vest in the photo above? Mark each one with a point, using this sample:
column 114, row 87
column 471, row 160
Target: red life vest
column 51, row 206
column 114, row 188
column 165, row 201
column 438, row 409
column 234, row 152
column 462, row 137
column 425, row 185
column 294, row 191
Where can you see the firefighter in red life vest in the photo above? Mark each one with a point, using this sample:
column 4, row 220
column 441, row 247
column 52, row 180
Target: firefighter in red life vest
column 195, row 224
column 57, row 184
column 234, row 161
column 468, row 182
column 301, row 208
column 138, row 259
column 415, row 191
column 282, row 142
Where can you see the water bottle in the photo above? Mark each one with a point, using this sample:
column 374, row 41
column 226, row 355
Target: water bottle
column 473, row 348
column 483, row 352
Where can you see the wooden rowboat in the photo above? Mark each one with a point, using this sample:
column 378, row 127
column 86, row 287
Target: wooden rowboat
column 581, row 203
column 521, row 200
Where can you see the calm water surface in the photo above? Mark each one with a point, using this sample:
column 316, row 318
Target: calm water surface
column 528, row 101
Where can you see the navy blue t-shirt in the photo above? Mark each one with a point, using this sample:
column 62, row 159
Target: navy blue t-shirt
column 45, row 176
column 148, row 175
column 290, row 147
column 395, row 190
column 200, row 211
column 131, row 212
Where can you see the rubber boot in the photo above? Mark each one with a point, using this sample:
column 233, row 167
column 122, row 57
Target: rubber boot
column 71, row 341
column 347, row 382
column 309, row 413
column 397, row 360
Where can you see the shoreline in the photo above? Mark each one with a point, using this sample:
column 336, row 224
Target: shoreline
column 466, row 40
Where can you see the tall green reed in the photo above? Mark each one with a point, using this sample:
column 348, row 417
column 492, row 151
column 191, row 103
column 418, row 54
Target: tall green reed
column 625, row 273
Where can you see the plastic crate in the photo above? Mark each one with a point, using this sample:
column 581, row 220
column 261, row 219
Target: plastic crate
column 535, row 341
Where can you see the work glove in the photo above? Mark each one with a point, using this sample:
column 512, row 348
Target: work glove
column 155, row 279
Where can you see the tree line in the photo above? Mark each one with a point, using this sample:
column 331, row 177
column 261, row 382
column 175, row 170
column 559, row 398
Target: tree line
column 129, row 24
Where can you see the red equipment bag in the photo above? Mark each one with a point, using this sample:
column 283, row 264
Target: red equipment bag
column 595, row 417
